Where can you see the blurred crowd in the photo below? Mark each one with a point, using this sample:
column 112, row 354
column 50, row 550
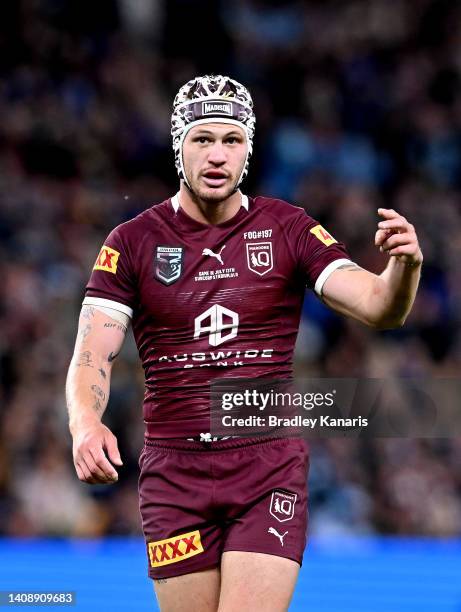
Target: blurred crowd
column 358, row 105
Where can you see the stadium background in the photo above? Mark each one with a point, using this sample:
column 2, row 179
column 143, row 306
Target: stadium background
column 358, row 105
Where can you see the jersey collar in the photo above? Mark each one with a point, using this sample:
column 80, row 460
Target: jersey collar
column 176, row 205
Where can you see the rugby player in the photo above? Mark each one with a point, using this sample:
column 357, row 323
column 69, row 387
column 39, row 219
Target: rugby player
column 213, row 283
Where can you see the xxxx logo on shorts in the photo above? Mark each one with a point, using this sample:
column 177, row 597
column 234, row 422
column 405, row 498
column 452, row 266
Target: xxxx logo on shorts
column 175, row 549
column 107, row 260
column 322, row 234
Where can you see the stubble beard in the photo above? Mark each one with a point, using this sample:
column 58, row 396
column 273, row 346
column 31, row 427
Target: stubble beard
column 211, row 195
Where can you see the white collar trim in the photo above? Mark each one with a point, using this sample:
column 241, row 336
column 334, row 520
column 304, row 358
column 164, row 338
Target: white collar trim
column 176, row 204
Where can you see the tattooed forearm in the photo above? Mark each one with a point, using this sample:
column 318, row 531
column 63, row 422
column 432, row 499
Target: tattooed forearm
column 84, row 359
column 87, row 312
column 98, row 391
column 118, row 326
column 103, row 373
column 99, row 398
column 97, row 407
column 84, row 333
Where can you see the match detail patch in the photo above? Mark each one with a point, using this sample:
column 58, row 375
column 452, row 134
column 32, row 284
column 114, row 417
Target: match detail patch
column 107, row 260
column 322, row 234
column 175, row 549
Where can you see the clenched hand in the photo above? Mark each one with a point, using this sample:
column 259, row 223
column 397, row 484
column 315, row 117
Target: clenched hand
column 95, row 453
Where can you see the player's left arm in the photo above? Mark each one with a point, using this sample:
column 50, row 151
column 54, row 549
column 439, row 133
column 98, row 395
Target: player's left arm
column 382, row 301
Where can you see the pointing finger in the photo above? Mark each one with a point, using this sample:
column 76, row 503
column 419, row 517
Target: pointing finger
column 388, row 213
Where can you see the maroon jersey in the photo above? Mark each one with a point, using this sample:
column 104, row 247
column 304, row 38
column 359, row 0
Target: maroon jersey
column 211, row 301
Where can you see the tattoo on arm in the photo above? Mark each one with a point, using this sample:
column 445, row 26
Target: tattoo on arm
column 84, row 333
column 97, row 407
column 98, row 391
column 161, row 581
column 103, row 373
column 99, row 396
column 118, row 326
column 84, row 359
column 112, row 356
column 87, row 312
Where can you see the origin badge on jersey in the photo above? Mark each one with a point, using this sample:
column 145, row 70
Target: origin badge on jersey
column 322, row 234
column 172, row 550
column 282, row 505
column 168, row 262
column 259, row 257
column 107, row 260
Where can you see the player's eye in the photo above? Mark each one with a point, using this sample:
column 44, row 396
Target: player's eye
column 202, row 139
column 233, row 140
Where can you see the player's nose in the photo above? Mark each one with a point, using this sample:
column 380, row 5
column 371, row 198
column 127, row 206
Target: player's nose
column 217, row 154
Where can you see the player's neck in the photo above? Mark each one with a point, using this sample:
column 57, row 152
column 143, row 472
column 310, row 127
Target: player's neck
column 209, row 213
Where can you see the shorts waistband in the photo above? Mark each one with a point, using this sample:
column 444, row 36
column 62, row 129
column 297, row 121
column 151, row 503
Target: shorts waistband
column 181, row 444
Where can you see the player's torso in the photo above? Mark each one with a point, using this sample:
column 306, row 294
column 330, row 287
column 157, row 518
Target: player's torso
column 217, row 296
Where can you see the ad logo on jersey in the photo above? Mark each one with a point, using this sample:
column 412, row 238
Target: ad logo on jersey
column 259, row 257
column 217, row 319
column 322, row 234
column 168, row 264
column 107, row 260
column 282, row 505
column 172, row 550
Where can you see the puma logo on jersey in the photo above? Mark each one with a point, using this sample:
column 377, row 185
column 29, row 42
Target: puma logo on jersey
column 210, row 253
column 277, row 534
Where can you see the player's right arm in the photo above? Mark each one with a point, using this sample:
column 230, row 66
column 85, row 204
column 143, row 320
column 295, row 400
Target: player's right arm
column 99, row 340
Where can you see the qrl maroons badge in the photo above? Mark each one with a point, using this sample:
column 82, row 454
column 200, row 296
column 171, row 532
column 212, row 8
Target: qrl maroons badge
column 282, row 505
column 259, row 257
column 168, row 264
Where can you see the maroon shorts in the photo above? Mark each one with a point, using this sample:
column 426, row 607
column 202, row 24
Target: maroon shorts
column 200, row 499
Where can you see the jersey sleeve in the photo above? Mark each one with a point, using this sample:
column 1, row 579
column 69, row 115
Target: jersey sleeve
column 112, row 282
column 318, row 253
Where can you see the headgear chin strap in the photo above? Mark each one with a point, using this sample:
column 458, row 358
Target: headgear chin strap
column 211, row 99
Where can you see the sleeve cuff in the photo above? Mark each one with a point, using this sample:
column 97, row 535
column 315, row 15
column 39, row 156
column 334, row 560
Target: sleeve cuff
column 95, row 301
column 331, row 267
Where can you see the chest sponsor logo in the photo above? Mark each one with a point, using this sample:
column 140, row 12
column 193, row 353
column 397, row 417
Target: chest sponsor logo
column 172, row 550
column 282, row 505
column 322, row 234
column 217, row 108
column 220, row 323
column 168, row 262
column 259, row 257
column 107, row 260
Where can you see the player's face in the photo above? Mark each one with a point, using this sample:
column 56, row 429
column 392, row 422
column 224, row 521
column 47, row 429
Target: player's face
column 213, row 157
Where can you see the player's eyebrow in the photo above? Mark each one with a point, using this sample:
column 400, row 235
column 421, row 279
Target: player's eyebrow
column 205, row 132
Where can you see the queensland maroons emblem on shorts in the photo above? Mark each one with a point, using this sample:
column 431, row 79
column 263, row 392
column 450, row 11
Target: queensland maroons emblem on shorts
column 168, row 262
column 259, row 257
column 282, row 505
